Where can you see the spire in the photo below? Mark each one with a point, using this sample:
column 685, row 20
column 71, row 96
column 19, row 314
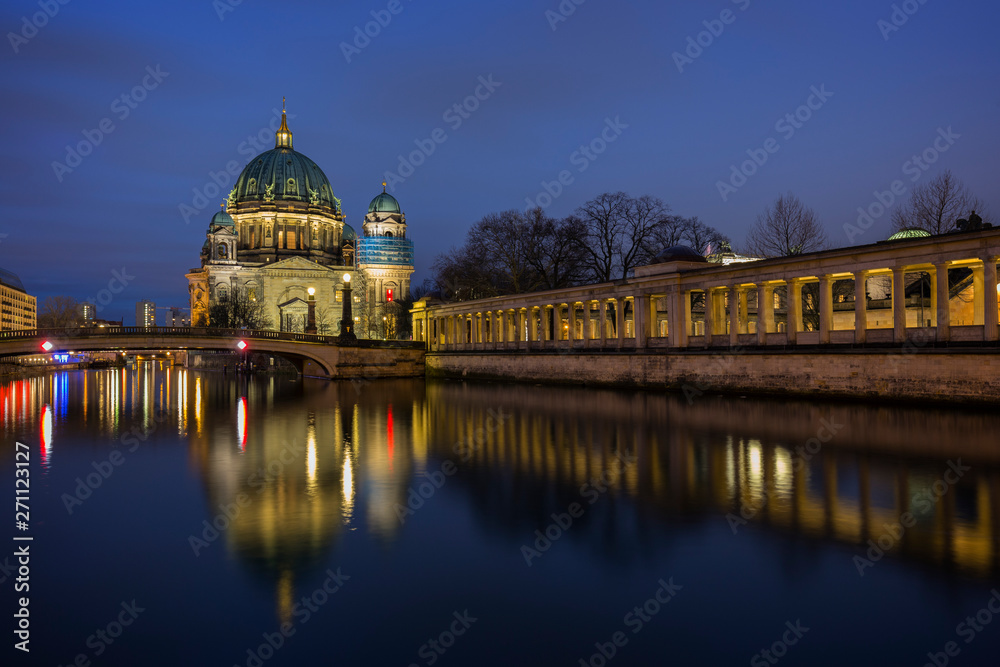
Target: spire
column 283, row 137
column 383, row 187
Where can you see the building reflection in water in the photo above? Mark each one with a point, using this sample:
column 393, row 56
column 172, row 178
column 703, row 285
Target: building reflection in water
column 316, row 460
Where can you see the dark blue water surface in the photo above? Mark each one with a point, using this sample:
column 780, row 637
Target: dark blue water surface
column 394, row 523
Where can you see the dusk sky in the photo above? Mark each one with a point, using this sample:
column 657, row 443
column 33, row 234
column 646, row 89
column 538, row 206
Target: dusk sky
column 137, row 201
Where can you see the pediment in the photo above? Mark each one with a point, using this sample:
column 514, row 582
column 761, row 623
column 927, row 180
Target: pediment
column 295, row 264
column 294, row 303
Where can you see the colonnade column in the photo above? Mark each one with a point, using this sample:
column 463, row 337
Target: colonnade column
column 899, row 304
column 943, row 302
column 860, row 306
column 709, row 317
column 979, row 295
column 640, row 320
column 765, row 312
column 743, row 305
column 572, row 323
column 734, row 315
column 620, row 321
column 794, row 314
column 825, row 308
column 990, row 294
column 586, row 324
column 603, row 317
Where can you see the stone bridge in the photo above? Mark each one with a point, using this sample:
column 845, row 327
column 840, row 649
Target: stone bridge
column 312, row 355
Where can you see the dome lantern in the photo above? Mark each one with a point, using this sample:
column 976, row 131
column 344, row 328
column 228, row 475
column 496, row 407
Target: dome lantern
column 283, row 137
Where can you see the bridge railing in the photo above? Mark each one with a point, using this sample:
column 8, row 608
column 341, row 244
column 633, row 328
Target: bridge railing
column 200, row 332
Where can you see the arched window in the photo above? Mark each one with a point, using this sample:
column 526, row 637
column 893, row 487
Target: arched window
column 222, row 293
column 389, row 234
column 223, row 251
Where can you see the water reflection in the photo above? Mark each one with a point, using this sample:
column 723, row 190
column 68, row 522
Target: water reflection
column 297, row 465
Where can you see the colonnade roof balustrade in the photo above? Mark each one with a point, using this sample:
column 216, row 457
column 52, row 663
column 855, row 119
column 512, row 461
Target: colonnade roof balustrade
column 682, row 304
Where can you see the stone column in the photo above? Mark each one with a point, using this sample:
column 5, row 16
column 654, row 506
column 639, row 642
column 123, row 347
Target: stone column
column 990, row 308
column 743, row 313
column 683, row 318
column 899, row 304
column 734, row 315
column 978, row 295
column 709, row 317
column 620, row 321
column 943, row 302
column 572, row 323
column 860, row 307
column 825, row 308
column 532, row 327
column 603, row 320
column 640, row 320
column 794, row 309
column 586, row 324
column 765, row 312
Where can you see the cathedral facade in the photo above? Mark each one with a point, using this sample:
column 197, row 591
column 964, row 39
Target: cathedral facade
column 283, row 240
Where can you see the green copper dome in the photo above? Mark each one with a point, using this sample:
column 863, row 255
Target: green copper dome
column 284, row 175
column 222, row 219
column 384, row 203
column 910, row 233
column 349, row 234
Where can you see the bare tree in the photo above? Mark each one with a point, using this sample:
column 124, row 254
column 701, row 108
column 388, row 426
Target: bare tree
column 239, row 309
column 700, row 236
column 604, row 220
column 59, row 311
column 786, row 227
column 935, row 206
column 554, row 250
column 499, row 241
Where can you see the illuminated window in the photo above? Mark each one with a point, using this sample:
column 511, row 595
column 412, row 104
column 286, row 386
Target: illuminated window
column 340, row 296
column 291, row 240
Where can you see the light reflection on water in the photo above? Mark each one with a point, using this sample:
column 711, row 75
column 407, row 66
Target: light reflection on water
column 319, row 460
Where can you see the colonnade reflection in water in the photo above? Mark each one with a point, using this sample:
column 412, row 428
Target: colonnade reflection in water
column 305, row 463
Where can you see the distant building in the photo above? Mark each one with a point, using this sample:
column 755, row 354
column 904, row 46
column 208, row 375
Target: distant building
column 178, row 318
column 145, row 314
column 17, row 307
column 88, row 313
column 724, row 255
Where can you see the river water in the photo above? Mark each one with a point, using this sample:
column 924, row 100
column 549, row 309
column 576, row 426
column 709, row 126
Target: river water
column 188, row 518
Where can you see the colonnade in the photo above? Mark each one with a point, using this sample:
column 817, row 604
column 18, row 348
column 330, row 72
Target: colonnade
column 939, row 289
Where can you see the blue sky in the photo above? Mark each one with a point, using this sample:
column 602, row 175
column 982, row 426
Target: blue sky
column 224, row 66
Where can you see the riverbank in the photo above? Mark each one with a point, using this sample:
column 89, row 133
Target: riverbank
column 939, row 375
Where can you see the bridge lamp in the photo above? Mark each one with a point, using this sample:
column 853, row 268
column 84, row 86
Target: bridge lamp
column 311, row 316
column 47, row 346
column 242, row 345
column 347, row 317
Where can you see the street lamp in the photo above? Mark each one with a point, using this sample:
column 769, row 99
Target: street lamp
column 347, row 318
column 311, row 322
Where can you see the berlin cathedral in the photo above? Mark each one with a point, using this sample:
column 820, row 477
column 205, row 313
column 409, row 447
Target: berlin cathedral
column 282, row 233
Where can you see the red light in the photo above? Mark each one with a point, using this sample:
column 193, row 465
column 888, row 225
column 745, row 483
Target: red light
column 388, row 295
column 47, row 346
column 242, row 345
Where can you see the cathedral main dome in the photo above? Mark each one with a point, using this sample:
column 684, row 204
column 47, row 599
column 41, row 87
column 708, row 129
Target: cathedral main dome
column 284, row 175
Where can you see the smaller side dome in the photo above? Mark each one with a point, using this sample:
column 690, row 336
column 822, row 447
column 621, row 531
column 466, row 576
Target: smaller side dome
column 910, row 233
column 349, row 234
column 679, row 253
column 223, row 219
column 384, row 203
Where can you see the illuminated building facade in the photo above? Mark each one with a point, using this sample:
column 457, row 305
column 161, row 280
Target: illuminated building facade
column 283, row 233
column 17, row 307
column 145, row 314
column 385, row 253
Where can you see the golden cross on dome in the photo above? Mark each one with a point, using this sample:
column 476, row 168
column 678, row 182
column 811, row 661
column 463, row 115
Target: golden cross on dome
column 383, row 187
